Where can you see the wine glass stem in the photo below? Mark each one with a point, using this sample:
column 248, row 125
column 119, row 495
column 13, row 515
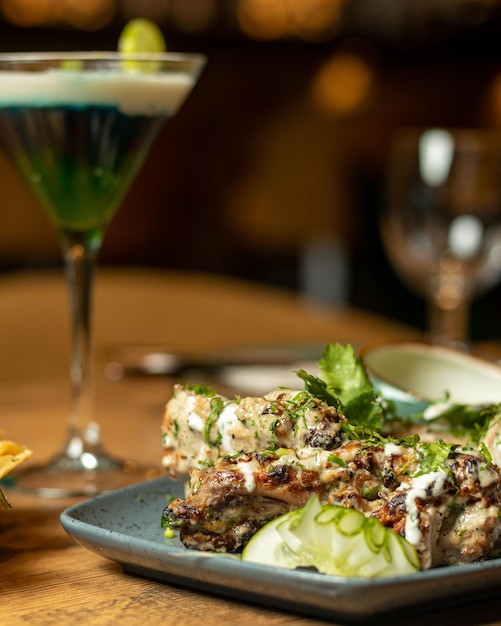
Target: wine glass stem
column 79, row 252
column 449, row 326
column 449, row 308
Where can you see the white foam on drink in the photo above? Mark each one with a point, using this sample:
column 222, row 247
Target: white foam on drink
column 132, row 93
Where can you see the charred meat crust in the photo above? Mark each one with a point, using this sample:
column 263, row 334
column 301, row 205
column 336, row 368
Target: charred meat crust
column 224, row 508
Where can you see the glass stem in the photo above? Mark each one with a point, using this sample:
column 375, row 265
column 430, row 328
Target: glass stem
column 79, row 252
column 449, row 326
column 449, row 310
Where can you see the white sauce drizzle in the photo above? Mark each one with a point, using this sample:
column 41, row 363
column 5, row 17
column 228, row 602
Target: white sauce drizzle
column 392, row 449
column 246, row 470
column 195, row 422
column 227, row 420
column 486, row 477
column 193, row 419
column 421, row 487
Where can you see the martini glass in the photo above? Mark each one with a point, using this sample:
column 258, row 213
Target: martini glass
column 78, row 127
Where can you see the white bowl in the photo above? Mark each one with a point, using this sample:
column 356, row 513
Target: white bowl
column 415, row 374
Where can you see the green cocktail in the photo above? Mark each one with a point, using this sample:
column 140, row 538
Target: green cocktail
column 79, row 161
column 78, row 127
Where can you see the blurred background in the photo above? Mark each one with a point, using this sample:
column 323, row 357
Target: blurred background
column 274, row 170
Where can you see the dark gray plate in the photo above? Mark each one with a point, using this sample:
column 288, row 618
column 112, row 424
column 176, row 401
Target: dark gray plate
column 124, row 526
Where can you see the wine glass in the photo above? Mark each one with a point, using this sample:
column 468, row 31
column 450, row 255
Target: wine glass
column 78, row 127
column 441, row 226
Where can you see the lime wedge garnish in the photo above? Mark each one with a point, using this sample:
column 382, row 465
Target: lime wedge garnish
column 141, row 36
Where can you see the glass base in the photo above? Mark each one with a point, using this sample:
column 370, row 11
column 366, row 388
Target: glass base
column 66, row 477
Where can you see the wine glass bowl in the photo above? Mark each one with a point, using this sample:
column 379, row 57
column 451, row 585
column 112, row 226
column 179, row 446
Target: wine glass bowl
column 78, row 127
column 441, row 225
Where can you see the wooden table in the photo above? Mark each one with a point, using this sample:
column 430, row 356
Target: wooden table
column 45, row 578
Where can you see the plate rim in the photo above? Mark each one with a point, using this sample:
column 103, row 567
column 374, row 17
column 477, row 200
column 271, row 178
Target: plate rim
column 319, row 595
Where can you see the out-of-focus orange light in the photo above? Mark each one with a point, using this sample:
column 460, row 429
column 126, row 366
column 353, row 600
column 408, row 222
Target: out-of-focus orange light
column 275, row 19
column 314, row 19
column 263, row 19
column 342, row 83
column 494, row 100
column 27, row 12
column 88, row 15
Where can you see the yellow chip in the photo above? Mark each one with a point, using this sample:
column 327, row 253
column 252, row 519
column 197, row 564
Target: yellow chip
column 11, row 454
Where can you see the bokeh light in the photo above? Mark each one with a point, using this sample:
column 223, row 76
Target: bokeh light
column 342, row 83
column 494, row 101
column 88, row 15
column 277, row 19
column 28, row 12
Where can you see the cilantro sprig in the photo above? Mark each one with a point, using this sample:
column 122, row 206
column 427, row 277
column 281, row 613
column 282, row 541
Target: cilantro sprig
column 344, row 384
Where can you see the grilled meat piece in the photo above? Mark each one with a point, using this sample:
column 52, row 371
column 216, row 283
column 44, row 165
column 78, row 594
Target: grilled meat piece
column 197, row 428
column 450, row 515
column 265, row 456
column 228, row 505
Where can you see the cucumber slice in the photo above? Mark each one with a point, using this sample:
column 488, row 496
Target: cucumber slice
column 334, row 540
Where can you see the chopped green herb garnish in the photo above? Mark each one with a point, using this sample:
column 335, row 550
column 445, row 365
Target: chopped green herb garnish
column 216, row 406
column 337, row 460
column 201, row 390
column 432, row 456
column 282, row 451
